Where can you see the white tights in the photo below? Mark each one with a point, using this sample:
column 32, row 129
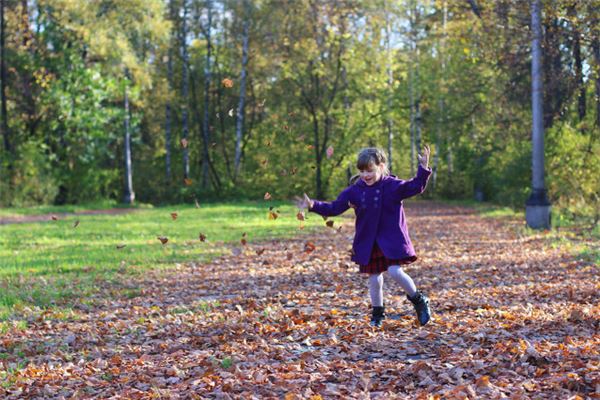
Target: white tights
column 398, row 275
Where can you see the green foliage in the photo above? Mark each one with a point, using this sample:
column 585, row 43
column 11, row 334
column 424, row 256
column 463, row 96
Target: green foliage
column 574, row 173
column 33, row 181
column 317, row 76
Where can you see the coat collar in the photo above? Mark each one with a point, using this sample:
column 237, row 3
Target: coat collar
column 362, row 184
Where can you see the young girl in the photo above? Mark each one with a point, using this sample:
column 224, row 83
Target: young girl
column 381, row 241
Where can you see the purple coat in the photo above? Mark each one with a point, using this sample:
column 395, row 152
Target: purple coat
column 379, row 214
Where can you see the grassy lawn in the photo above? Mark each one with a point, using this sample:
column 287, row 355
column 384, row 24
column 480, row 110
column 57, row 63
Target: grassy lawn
column 54, row 263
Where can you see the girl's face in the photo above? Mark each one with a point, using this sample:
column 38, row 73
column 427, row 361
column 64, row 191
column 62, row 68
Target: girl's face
column 372, row 174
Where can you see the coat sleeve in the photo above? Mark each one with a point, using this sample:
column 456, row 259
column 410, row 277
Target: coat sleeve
column 412, row 187
column 336, row 207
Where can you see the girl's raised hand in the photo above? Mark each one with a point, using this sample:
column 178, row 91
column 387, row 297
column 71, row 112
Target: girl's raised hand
column 305, row 202
column 424, row 159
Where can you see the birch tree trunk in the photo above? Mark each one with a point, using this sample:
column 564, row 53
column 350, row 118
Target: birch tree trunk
column 185, row 91
column 240, row 111
column 412, row 120
column 581, row 106
column 441, row 99
column 207, row 79
column 417, row 83
column 411, row 90
column 390, row 82
column 537, row 207
column 129, row 196
column 596, row 54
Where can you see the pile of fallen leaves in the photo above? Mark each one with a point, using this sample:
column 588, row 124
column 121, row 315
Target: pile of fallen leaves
column 513, row 317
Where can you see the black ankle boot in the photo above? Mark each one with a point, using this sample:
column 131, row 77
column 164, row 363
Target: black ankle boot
column 378, row 316
column 421, row 303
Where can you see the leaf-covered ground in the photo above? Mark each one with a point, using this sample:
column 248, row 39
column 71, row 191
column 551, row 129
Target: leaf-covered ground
column 513, row 315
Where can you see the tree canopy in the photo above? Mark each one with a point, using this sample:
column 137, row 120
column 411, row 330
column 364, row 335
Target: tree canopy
column 320, row 79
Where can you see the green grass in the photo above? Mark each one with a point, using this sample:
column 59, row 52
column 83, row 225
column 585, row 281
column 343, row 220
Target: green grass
column 45, row 209
column 52, row 263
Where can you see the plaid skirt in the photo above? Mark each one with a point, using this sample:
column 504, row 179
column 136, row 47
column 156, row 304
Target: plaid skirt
column 380, row 263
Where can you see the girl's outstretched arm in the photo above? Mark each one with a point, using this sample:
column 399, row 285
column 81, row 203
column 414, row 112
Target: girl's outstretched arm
column 416, row 185
column 328, row 209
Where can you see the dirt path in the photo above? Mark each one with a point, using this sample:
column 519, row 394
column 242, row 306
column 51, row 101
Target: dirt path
column 48, row 217
column 513, row 317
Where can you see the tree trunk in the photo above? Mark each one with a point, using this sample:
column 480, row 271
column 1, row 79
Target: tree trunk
column 581, row 106
column 4, row 115
column 129, row 196
column 207, row 79
column 411, row 95
column 441, row 99
column 240, row 111
column 390, row 82
column 478, row 188
column 185, row 91
column 596, row 53
column 417, row 86
column 168, row 105
column 538, row 206
column 319, row 183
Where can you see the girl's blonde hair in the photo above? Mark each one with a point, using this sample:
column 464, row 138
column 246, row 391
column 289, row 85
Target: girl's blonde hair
column 370, row 156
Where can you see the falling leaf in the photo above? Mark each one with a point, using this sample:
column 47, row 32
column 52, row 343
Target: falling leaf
column 202, row 237
column 187, row 181
column 329, row 152
column 214, row 144
column 267, row 196
column 120, row 246
column 243, row 242
column 264, row 162
column 184, row 143
column 227, row 82
column 273, row 215
column 300, row 216
column 329, row 223
column 310, row 147
column 163, row 239
column 309, row 247
column 230, row 112
column 54, row 218
column 174, row 216
column 260, row 251
column 269, row 143
column 76, row 224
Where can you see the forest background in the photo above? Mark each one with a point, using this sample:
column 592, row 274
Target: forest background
column 183, row 100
